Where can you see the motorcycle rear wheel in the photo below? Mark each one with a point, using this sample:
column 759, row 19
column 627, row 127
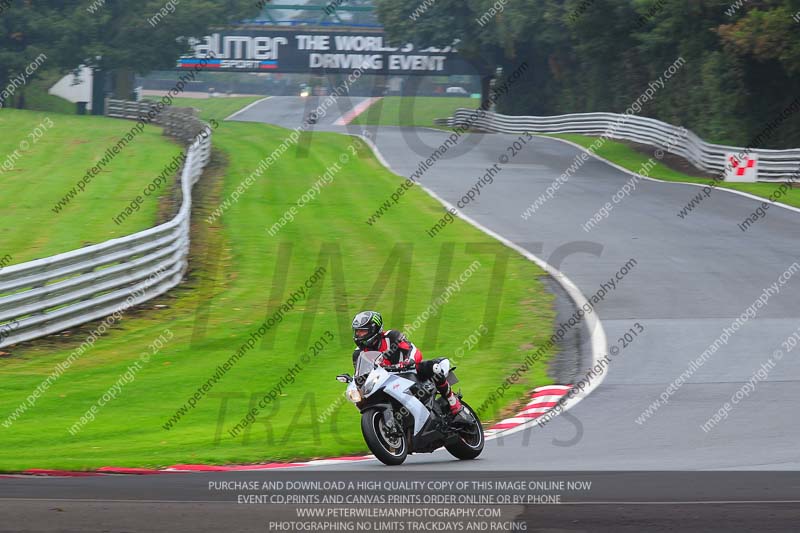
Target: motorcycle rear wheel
column 470, row 441
column 390, row 450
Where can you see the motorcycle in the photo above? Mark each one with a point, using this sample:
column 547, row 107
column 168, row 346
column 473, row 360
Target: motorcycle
column 402, row 414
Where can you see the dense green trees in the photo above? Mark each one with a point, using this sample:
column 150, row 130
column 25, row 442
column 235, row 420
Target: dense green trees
column 126, row 36
column 742, row 57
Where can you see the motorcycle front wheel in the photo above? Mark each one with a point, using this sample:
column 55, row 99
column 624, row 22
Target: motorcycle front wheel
column 390, row 449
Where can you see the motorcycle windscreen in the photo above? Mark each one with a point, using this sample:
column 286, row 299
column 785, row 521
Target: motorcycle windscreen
column 366, row 362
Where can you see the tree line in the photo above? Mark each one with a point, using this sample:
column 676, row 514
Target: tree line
column 742, row 58
column 116, row 36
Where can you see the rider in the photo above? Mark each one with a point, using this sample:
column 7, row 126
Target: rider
column 399, row 353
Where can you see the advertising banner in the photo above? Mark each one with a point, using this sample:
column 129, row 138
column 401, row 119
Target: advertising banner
column 320, row 51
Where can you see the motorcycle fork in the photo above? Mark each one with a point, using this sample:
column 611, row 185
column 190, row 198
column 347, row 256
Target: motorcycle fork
column 393, row 425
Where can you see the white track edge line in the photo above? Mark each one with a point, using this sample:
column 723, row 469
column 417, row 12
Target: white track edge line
column 632, row 173
column 245, row 108
column 595, row 327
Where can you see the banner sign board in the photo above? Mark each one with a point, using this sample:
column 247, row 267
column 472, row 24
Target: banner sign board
column 320, row 51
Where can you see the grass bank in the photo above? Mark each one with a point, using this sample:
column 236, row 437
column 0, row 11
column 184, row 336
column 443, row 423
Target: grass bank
column 44, row 155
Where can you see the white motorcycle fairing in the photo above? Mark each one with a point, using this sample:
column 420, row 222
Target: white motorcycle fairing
column 397, row 388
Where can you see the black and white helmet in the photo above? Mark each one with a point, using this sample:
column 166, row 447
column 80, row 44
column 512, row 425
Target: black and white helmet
column 367, row 326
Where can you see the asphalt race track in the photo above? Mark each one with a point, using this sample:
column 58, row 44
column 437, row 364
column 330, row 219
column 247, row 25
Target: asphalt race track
column 291, row 111
column 692, row 278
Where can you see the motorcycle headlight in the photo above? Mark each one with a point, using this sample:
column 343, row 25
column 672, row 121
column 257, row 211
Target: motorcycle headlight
column 354, row 395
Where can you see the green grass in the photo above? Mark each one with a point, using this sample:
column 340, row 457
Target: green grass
column 44, row 170
column 413, row 111
column 212, row 320
column 630, row 159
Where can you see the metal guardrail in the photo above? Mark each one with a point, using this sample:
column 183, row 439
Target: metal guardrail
column 773, row 165
column 178, row 122
column 55, row 293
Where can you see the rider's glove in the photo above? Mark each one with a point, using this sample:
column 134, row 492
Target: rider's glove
column 402, row 365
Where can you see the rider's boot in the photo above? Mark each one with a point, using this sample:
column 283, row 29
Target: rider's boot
column 440, row 371
column 452, row 400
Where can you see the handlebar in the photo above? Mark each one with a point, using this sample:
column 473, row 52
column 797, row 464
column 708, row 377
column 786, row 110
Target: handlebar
column 400, row 368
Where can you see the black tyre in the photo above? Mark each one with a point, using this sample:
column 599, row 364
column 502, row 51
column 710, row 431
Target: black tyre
column 470, row 437
column 391, row 450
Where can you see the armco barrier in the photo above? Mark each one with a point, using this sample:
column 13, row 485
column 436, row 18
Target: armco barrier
column 178, row 122
column 773, row 165
column 55, row 293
